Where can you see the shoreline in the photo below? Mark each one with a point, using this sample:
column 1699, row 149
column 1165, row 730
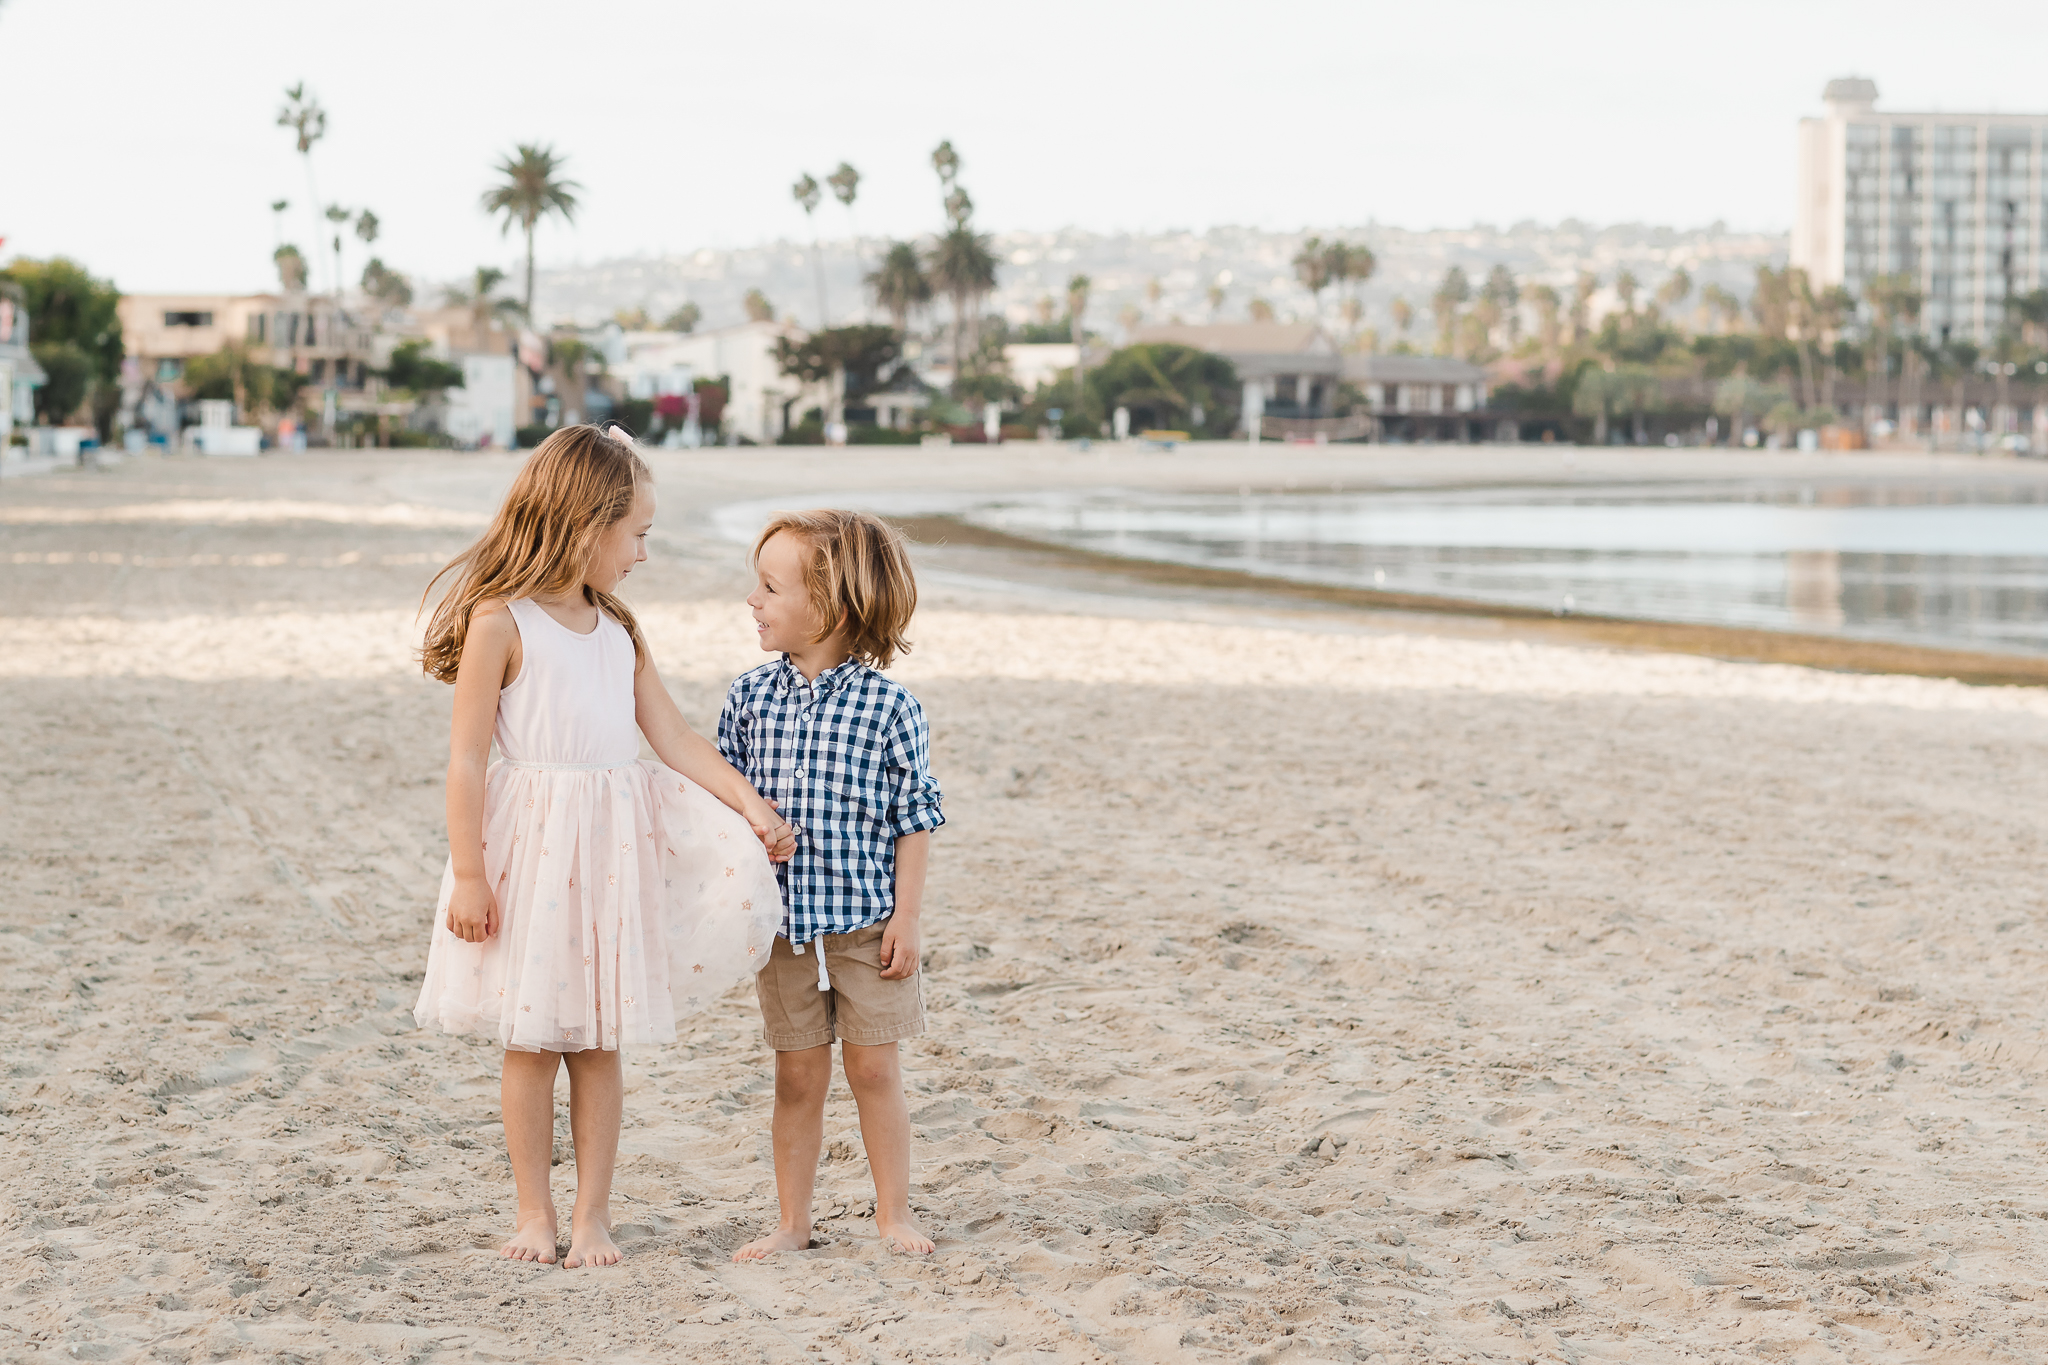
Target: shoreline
column 1732, row 643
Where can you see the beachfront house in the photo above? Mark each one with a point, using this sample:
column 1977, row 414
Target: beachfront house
column 761, row 401
column 1290, row 370
column 1419, row 397
column 20, row 376
column 162, row 333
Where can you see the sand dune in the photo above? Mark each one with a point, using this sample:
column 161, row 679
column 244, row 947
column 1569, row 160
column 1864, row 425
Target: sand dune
column 1297, row 993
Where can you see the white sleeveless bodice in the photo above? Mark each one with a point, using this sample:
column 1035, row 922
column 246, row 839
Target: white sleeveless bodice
column 573, row 699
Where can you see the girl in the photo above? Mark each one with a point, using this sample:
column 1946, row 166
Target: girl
column 591, row 897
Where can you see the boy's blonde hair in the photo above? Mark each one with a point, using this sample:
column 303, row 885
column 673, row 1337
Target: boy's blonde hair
column 857, row 573
column 575, row 487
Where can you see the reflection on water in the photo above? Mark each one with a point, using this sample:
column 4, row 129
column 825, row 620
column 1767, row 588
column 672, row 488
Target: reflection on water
column 1962, row 565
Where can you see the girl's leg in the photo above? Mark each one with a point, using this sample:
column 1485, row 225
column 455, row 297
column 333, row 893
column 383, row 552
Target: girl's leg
column 802, row 1080
column 875, row 1075
column 526, row 1093
column 596, row 1104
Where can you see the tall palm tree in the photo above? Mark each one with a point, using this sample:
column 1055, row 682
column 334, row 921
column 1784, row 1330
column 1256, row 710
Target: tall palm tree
column 1077, row 304
column 1312, row 268
column 301, row 112
column 1216, row 293
column 1677, row 285
column 1548, row 306
column 533, row 188
column 900, row 285
column 845, row 183
column 1450, row 295
column 1583, row 289
column 963, row 268
column 1349, row 265
column 1403, row 313
column 808, row 197
column 337, row 215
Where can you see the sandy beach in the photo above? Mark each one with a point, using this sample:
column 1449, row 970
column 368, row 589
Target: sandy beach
column 1306, row 983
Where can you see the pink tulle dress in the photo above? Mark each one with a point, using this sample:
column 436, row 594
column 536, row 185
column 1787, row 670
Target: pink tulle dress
column 628, row 896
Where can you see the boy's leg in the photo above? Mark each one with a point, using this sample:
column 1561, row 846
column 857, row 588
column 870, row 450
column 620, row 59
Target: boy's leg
column 596, row 1100
column 875, row 1075
column 526, row 1094
column 802, row 1079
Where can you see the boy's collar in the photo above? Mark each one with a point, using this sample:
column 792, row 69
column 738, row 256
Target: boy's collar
column 790, row 677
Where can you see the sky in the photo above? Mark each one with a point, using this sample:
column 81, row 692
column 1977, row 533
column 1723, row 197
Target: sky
column 139, row 137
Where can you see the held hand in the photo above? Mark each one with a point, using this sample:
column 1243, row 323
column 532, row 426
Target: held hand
column 472, row 910
column 899, row 947
column 772, row 830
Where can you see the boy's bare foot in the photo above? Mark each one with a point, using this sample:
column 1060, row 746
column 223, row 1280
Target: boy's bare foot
column 904, row 1232
column 782, row 1239
column 590, row 1242
column 534, row 1240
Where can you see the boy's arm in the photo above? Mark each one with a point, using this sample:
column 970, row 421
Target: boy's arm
column 696, row 758
column 902, row 938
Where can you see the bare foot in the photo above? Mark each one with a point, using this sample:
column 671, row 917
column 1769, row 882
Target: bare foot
column 904, row 1232
column 782, row 1239
column 590, row 1242
column 534, row 1239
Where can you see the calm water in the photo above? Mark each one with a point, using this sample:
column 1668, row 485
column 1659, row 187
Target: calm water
column 1961, row 565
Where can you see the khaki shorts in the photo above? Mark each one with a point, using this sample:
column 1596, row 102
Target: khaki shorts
column 860, row 1008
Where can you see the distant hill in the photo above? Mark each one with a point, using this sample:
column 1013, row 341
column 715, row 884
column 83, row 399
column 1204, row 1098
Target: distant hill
column 1121, row 265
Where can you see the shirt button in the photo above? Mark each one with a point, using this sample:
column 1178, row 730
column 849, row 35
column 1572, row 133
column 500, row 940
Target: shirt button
column 799, row 772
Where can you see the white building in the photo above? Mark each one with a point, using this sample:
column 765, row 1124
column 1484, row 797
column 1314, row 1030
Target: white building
column 483, row 411
column 1955, row 202
column 19, row 373
column 762, row 402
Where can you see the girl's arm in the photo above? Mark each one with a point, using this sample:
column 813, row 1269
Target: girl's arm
column 490, row 661
column 696, row 758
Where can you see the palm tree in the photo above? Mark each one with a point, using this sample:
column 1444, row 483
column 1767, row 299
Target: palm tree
column 1349, row 266
column 367, row 228
column 1625, row 286
column 806, row 194
column 1583, row 289
column 1077, row 304
column 845, row 183
column 946, row 162
column 757, row 306
column 963, row 268
column 1216, row 293
column 900, row 285
column 1450, row 294
column 337, row 215
column 481, row 299
column 1403, row 313
column 1833, row 309
column 1312, row 268
column 1259, row 310
column 277, row 208
column 533, row 188
column 302, row 114
column 1549, row 304
column 683, row 319
column 1504, row 298
column 1677, row 285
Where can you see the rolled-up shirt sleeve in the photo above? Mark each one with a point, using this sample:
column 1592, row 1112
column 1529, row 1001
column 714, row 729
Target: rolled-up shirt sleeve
column 914, row 796
column 730, row 747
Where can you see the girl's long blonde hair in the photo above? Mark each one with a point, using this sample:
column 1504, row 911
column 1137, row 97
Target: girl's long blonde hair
column 575, row 487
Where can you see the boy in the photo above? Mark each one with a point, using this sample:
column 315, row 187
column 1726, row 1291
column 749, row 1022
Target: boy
column 842, row 752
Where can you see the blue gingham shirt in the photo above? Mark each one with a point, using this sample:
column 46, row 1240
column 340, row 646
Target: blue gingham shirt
column 845, row 757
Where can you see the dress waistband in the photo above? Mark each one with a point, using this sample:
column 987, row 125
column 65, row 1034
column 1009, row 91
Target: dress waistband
column 569, row 767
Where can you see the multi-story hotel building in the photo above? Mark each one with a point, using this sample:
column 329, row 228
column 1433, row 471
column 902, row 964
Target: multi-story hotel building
column 1954, row 202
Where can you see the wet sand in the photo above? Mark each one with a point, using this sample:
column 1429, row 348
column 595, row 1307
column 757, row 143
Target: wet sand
column 1306, row 982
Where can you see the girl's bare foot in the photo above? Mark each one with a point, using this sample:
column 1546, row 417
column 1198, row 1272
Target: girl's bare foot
column 590, row 1242
column 782, row 1239
column 903, row 1230
column 533, row 1239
